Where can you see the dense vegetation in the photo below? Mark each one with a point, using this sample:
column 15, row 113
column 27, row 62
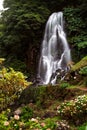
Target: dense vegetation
column 62, row 106
column 22, row 27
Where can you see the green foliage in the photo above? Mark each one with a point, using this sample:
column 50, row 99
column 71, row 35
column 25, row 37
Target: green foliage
column 12, row 84
column 11, row 78
column 7, row 125
column 36, row 123
column 83, row 71
column 51, row 123
column 75, row 24
column 16, row 64
column 22, row 26
column 64, row 85
column 76, row 29
column 82, row 45
column 16, row 123
column 82, row 127
column 75, row 109
column 73, row 21
column 3, row 118
column 26, row 114
column 25, row 18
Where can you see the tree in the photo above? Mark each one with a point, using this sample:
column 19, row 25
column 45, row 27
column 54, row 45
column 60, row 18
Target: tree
column 24, row 22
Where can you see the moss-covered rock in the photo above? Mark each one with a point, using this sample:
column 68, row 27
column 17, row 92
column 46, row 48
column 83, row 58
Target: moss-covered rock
column 80, row 64
column 78, row 75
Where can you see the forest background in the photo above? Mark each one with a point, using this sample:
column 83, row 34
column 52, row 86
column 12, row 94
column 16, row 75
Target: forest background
column 22, row 27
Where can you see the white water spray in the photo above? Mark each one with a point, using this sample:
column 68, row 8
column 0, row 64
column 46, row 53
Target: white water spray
column 55, row 52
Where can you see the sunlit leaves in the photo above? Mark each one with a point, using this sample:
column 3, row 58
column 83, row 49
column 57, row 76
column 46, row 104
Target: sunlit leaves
column 12, row 84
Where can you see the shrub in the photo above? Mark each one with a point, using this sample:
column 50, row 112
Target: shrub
column 12, row 84
column 75, row 109
column 17, row 122
column 4, row 124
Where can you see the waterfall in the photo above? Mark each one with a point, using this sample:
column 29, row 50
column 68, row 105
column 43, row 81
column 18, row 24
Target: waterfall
column 55, row 52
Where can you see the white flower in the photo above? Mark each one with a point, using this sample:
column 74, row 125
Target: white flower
column 35, row 120
column 74, row 77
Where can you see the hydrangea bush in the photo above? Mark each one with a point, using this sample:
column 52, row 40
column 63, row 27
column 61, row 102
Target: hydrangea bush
column 75, row 109
column 16, row 122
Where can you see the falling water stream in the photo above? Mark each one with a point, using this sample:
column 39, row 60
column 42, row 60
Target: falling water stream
column 55, row 52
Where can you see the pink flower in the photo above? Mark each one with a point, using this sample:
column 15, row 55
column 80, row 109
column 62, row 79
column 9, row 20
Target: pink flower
column 6, row 123
column 16, row 117
column 43, row 124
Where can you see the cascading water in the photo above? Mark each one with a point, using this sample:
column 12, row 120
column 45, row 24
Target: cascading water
column 55, row 52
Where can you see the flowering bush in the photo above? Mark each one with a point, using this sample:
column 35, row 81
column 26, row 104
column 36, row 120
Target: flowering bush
column 63, row 125
column 74, row 109
column 4, row 124
column 16, row 122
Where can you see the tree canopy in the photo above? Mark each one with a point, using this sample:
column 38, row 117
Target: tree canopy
column 22, row 27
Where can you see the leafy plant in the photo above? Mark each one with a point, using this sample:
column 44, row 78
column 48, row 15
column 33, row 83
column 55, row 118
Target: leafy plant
column 16, row 64
column 4, row 124
column 26, row 114
column 83, row 71
column 64, row 85
column 16, row 123
column 12, row 84
column 75, row 24
column 82, row 127
column 75, row 109
column 82, row 45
